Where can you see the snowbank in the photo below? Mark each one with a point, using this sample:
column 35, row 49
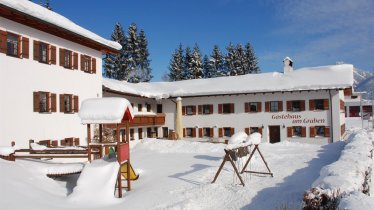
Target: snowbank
column 335, row 76
column 349, row 173
column 105, row 110
column 96, row 183
column 46, row 15
column 180, row 146
column 357, row 200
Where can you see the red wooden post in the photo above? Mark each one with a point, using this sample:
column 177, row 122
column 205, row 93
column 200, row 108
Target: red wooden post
column 119, row 161
column 128, row 160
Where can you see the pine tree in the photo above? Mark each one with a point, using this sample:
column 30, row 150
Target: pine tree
column 197, row 64
column 251, row 60
column 144, row 62
column 187, row 65
column 230, row 61
column 206, row 68
column 176, row 65
column 216, row 63
column 132, row 52
column 115, row 65
column 239, row 62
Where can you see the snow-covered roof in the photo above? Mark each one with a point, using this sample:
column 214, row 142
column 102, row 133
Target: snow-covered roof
column 105, row 110
column 316, row 78
column 45, row 15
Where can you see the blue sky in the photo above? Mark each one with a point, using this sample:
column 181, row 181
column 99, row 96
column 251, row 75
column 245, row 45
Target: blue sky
column 311, row 32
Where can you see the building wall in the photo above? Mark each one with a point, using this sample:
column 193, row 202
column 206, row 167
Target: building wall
column 21, row 77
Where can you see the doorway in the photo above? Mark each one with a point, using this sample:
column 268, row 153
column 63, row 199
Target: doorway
column 165, row 132
column 274, row 133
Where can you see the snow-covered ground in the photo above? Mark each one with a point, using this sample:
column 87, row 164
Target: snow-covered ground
column 178, row 175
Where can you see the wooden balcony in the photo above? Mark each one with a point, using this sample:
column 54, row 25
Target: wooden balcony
column 155, row 120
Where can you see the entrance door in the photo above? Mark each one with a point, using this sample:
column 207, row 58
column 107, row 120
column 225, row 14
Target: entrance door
column 165, row 131
column 274, row 132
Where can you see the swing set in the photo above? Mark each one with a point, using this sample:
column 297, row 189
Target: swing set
column 240, row 151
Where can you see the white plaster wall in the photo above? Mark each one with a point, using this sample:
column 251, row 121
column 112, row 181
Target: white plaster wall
column 21, row 77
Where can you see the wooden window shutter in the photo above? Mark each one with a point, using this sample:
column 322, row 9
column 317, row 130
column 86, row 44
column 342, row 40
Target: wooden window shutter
column 36, row 50
column 220, row 132
column 52, row 51
column 200, row 132
column 303, row 131
column 193, row 110
column 82, row 62
column 19, row 46
column 71, row 60
column 49, row 102
column 93, row 66
column 220, row 108
column 260, row 130
column 246, row 131
column 232, row 131
column 232, row 108
column 289, row 106
column 200, row 109
column 327, row 131
column 62, row 103
column 311, row 105
column 246, row 107
column 289, row 131
column 3, row 44
column 280, row 106
column 183, row 110
column 184, row 132
column 259, row 107
column 25, row 47
column 312, row 131
column 211, row 132
column 75, row 60
column 302, row 105
column 76, row 103
column 53, row 102
column 267, row 106
column 326, row 104
column 211, row 109
column 36, row 102
column 62, row 53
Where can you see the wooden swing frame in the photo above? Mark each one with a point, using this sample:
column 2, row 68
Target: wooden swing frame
column 229, row 158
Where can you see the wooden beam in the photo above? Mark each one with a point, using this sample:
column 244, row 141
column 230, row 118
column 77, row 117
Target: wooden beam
column 89, row 141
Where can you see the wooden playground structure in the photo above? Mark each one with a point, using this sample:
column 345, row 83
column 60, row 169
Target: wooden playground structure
column 232, row 155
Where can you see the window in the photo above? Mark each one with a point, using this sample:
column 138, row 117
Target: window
column 297, row 131
column 318, row 104
column 254, row 130
column 159, row 108
column 140, row 133
column 227, row 132
column 132, row 134
column 295, row 106
column 189, row 110
column 148, row 107
column 43, row 52
column 226, row 108
column 206, row 132
column 85, row 63
column 274, row 106
column 44, row 102
column 12, row 45
column 207, row 109
column 69, row 103
column 320, row 130
column 67, row 58
column 140, row 107
column 189, row 132
column 253, row 107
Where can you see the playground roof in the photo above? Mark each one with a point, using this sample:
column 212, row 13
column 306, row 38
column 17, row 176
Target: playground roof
column 105, row 111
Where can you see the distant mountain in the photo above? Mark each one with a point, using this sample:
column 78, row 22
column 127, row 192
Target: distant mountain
column 364, row 82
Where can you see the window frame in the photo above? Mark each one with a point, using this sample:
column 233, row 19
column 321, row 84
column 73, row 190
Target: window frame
column 69, row 98
column 189, row 132
column 297, row 131
column 44, row 107
column 68, row 54
column 318, row 129
column 226, row 108
column 274, row 104
column 206, row 132
column 206, row 107
column 317, row 103
column 251, row 105
column 189, row 110
column 15, row 45
column 226, row 130
column 295, row 106
column 254, row 130
column 41, row 44
column 149, row 107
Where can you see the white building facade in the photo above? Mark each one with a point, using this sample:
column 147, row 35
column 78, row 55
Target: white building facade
column 296, row 106
column 48, row 67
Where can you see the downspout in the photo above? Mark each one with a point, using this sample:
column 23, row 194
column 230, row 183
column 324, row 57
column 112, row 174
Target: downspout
column 331, row 120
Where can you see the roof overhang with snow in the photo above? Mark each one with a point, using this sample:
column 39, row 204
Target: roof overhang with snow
column 304, row 79
column 106, row 111
column 33, row 15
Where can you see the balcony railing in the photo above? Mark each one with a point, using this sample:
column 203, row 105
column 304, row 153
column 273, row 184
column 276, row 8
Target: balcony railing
column 147, row 120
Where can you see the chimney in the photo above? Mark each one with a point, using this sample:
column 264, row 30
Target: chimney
column 287, row 62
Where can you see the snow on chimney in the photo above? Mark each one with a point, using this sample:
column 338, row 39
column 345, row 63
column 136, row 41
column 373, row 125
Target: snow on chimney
column 287, row 68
